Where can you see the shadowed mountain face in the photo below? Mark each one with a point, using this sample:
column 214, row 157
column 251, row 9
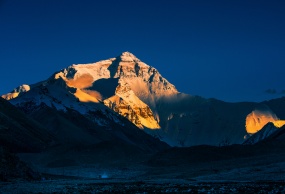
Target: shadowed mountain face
column 54, row 138
column 19, row 132
column 127, row 87
column 72, row 129
column 66, row 135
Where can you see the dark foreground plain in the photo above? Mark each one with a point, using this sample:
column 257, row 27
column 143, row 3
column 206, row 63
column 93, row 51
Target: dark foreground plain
column 130, row 186
column 202, row 169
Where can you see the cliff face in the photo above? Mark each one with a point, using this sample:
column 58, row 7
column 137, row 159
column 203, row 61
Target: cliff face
column 127, row 104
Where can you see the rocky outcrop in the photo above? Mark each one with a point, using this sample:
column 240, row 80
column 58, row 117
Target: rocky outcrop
column 127, row 104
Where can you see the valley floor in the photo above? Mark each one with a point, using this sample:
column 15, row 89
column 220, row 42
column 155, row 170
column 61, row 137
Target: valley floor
column 265, row 178
column 234, row 169
column 133, row 186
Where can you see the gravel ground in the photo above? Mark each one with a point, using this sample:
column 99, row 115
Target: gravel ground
column 129, row 186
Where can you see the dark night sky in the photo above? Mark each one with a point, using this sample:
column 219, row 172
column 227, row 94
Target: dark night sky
column 232, row 50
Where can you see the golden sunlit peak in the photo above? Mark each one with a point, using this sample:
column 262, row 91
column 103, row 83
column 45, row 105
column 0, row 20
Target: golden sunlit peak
column 279, row 123
column 127, row 53
column 258, row 118
column 15, row 93
column 128, row 57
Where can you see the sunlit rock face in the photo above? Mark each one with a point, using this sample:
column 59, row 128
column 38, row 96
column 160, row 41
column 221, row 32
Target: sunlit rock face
column 15, row 93
column 258, row 118
column 127, row 104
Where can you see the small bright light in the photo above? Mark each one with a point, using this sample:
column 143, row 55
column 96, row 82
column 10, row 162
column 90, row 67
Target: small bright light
column 104, row 176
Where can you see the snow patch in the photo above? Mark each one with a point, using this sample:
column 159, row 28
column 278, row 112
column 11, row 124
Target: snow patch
column 16, row 92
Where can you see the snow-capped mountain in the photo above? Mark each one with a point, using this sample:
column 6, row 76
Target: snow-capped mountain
column 125, row 86
column 260, row 117
column 14, row 94
column 119, row 83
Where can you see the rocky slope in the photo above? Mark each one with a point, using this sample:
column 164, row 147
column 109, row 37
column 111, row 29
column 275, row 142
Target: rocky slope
column 21, row 133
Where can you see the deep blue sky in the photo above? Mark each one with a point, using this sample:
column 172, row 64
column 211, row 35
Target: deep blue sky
column 233, row 50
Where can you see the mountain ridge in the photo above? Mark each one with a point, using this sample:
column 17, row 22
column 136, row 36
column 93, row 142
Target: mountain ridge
column 138, row 92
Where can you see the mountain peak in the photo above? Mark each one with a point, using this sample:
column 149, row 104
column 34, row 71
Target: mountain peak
column 128, row 57
column 21, row 89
